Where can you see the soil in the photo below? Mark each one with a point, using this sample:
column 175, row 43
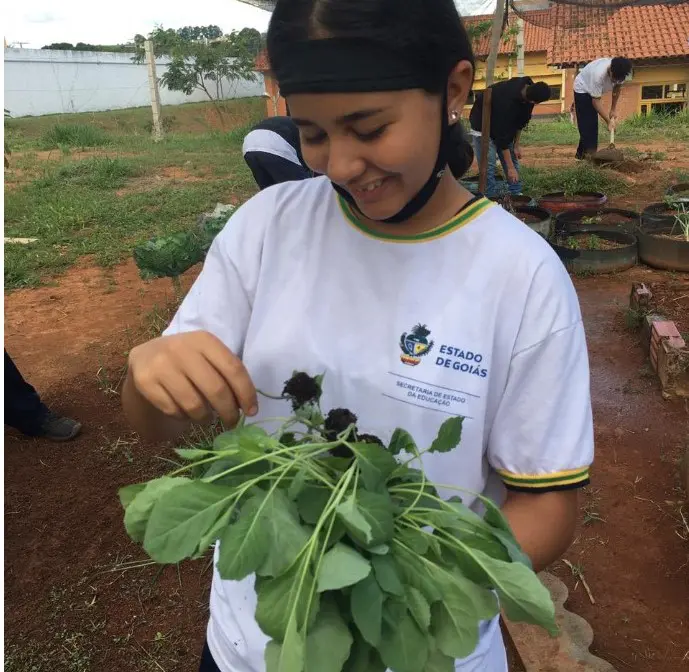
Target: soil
column 75, row 599
column 671, row 299
column 591, row 242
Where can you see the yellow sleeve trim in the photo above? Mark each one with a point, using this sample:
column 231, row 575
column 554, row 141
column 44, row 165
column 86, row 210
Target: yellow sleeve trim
column 545, row 481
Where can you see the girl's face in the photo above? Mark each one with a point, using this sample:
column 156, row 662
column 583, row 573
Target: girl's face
column 381, row 147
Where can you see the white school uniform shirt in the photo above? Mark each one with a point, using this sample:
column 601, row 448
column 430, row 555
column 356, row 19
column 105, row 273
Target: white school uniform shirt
column 295, row 281
column 594, row 78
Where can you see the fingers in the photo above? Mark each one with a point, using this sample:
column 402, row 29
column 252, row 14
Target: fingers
column 186, row 397
column 231, row 368
column 214, row 389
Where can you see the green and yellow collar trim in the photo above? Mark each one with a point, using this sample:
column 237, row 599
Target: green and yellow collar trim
column 558, row 480
column 468, row 214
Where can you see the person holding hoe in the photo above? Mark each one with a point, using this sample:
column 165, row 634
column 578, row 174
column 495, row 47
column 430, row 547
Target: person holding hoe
column 383, row 269
column 512, row 103
column 595, row 79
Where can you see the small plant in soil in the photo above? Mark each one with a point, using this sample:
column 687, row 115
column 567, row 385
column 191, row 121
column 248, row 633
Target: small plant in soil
column 681, row 215
column 589, row 241
column 359, row 563
column 597, row 219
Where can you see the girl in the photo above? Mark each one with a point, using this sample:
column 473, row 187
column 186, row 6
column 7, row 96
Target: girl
column 417, row 300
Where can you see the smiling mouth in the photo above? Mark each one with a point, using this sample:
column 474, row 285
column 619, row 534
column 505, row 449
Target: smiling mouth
column 371, row 187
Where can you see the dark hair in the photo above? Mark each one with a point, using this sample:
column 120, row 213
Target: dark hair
column 538, row 92
column 430, row 32
column 620, row 68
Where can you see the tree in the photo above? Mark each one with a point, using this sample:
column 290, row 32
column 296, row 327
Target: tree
column 202, row 58
column 252, row 40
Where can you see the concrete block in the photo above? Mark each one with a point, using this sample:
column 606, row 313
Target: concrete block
column 640, row 298
column 569, row 652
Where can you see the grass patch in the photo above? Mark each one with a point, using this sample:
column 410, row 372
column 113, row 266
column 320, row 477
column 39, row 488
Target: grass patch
column 580, row 177
column 73, row 135
column 71, row 205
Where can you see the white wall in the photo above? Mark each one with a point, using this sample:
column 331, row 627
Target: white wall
column 44, row 81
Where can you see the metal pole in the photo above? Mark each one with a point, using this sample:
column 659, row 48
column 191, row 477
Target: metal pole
column 485, row 140
column 153, row 90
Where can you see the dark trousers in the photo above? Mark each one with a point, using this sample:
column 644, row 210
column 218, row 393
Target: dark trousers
column 207, row 662
column 587, row 122
column 269, row 169
column 24, row 409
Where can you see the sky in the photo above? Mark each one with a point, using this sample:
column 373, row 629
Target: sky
column 35, row 23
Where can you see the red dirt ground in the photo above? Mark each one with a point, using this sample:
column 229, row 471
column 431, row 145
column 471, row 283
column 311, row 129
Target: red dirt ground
column 71, row 604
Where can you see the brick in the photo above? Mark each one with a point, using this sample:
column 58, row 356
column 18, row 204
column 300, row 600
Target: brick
column 673, row 368
column 647, row 328
column 640, row 297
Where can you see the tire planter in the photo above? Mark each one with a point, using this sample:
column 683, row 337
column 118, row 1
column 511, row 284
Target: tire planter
column 537, row 219
column 599, row 261
column 558, row 201
column 655, row 248
column 679, row 191
column 516, row 201
column 608, row 219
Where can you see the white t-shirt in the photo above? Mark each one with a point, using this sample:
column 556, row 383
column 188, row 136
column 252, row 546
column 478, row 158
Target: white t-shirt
column 594, row 78
column 294, row 281
column 270, row 142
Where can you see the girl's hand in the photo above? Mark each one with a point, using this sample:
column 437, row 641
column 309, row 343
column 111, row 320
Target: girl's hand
column 189, row 376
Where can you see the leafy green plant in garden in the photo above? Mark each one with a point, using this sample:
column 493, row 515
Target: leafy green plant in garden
column 360, row 565
column 681, row 215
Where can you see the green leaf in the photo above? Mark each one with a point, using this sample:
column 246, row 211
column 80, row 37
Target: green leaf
column 360, row 658
column 128, row 492
column 456, row 618
column 192, row 454
column 415, row 572
column 418, row 607
column 247, row 442
column 383, row 549
column 439, row 662
column 449, row 435
column 377, row 511
column 286, row 535
column 521, row 593
column 276, row 597
column 404, row 648
column 417, row 540
column 387, row 575
column 342, row 566
column 402, row 442
column 297, row 485
column 329, row 642
column 312, row 502
column 376, row 464
column 244, row 545
column 288, row 656
column 181, row 517
column 366, row 605
column 354, row 520
column 139, row 509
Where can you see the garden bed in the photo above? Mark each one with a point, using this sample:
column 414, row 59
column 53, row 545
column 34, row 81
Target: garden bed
column 664, row 236
column 608, row 219
column 560, row 201
column 592, row 250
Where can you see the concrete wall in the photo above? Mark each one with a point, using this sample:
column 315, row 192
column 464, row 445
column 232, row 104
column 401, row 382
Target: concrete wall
column 43, row 81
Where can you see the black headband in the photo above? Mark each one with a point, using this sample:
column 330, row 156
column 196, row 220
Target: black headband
column 344, row 65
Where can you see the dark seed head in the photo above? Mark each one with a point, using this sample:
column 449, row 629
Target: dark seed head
column 337, row 421
column 302, row 389
column 370, row 438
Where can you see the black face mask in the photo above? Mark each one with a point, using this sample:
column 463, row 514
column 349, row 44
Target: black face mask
column 342, row 65
column 418, row 202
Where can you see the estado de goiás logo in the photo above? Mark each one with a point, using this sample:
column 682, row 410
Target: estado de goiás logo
column 415, row 345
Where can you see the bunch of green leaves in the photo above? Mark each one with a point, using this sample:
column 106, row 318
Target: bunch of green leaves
column 360, row 565
column 169, row 256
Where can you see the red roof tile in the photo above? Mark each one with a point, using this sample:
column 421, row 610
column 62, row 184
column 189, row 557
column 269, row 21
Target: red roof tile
column 640, row 33
column 536, row 37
